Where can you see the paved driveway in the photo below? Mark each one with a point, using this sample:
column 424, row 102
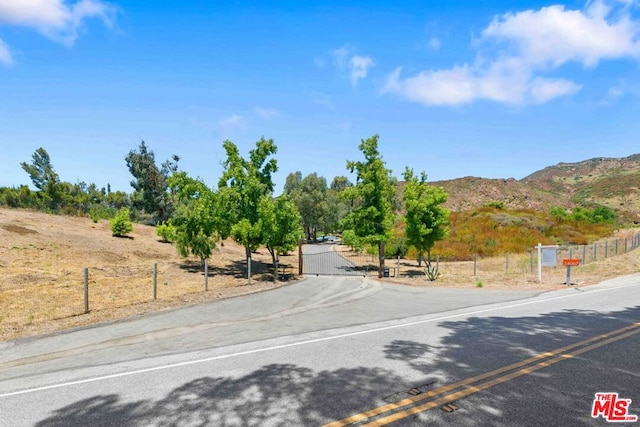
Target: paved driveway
column 320, row 259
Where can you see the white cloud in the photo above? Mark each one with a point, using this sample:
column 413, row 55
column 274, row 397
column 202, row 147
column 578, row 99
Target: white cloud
column 543, row 90
column 231, row 124
column 517, row 50
column 341, row 57
column 440, row 87
column 6, row 58
column 615, row 93
column 267, row 113
column 359, row 66
column 434, row 43
column 553, row 36
column 58, row 20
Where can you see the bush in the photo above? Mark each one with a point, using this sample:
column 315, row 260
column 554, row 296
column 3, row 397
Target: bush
column 121, row 224
column 166, row 232
column 495, row 204
column 350, row 239
column 98, row 212
column 396, row 247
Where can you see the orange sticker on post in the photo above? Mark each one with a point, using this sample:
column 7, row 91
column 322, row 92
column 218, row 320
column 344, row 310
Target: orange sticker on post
column 570, row 262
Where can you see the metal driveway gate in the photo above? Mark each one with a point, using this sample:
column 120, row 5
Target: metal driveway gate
column 323, row 260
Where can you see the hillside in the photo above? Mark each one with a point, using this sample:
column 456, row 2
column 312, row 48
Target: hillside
column 612, row 182
column 42, row 257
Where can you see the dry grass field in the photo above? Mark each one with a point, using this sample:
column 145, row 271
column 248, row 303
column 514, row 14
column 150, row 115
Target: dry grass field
column 42, row 258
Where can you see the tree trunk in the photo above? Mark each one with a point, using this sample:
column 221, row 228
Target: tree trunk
column 420, row 259
column 248, row 252
column 274, row 260
column 381, row 259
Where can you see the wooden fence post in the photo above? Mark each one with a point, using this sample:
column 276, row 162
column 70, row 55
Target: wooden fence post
column 155, row 281
column 531, row 260
column 206, row 275
column 475, row 265
column 85, row 280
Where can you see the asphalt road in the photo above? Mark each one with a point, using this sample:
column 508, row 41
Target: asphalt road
column 321, row 259
column 326, row 349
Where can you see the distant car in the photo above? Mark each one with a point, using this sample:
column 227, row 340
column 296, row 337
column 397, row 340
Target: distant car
column 328, row 238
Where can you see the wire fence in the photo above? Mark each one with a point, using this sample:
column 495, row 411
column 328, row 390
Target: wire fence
column 36, row 296
column 509, row 263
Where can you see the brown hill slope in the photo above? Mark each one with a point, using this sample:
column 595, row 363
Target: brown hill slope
column 41, row 262
column 612, row 182
column 472, row 192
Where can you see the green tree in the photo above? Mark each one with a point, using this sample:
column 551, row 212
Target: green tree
column 41, row 170
column 601, row 214
column 243, row 184
column 350, row 239
column 426, row 220
column 310, row 196
column 559, row 213
column 150, row 183
column 194, row 227
column 375, row 193
column 337, row 206
column 280, row 224
column 45, row 178
column 121, row 224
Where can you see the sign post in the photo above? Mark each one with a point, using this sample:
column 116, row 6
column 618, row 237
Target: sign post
column 570, row 263
column 547, row 257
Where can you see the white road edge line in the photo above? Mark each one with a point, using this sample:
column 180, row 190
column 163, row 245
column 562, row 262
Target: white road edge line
column 312, row 341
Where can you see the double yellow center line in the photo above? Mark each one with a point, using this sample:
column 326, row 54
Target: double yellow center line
column 393, row 412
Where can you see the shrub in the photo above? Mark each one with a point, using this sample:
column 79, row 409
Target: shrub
column 432, row 273
column 98, row 212
column 495, row 204
column 121, row 224
column 166, row 232
column 396, row 247
column 350, row 239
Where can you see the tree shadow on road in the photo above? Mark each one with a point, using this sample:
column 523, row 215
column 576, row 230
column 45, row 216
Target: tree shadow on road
column 288, row 394
column 277, row 394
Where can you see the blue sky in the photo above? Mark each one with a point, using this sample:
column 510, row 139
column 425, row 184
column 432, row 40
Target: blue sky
column 456, row 88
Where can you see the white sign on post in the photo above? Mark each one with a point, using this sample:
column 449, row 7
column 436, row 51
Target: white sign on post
column 547, row 257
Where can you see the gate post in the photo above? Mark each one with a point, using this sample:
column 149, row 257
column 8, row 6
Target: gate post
column 300, row 266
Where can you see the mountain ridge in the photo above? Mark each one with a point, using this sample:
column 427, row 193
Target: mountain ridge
column 607, row 181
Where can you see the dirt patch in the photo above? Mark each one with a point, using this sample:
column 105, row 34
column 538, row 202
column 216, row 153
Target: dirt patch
column 18, row 229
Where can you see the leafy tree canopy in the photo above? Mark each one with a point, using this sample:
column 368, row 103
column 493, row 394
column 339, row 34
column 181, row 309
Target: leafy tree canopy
column 243, row 184
column 41, row 170
column 426, row 220
column 195, row 224
column 151, row 182
column 280, row 224
column 375, row 194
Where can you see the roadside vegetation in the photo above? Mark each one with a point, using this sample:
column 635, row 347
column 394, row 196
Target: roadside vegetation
column 371, row 214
